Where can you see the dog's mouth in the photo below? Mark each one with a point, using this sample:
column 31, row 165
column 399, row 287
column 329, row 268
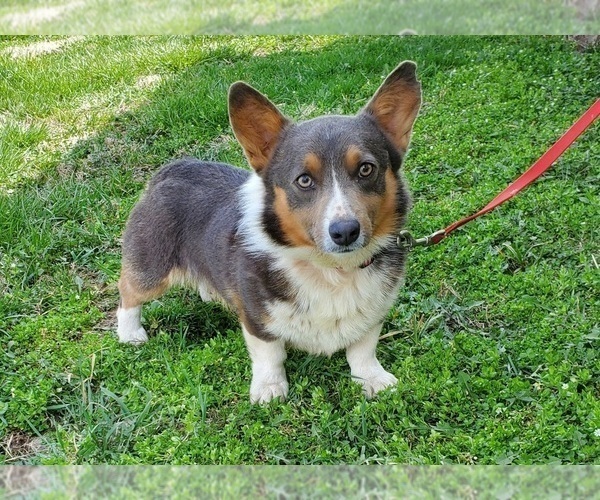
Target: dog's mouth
column 344, row 250
column 331, row 248
column 357, row 255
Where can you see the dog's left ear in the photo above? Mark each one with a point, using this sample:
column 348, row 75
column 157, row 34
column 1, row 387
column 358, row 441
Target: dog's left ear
column 256, row 123
column 396, row 104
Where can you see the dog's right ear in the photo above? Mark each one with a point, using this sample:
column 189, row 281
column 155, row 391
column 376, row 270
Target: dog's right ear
column 396, row 104
column 256, row 123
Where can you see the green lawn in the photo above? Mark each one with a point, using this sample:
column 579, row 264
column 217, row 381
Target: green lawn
column 494, row 337
column 291, row 16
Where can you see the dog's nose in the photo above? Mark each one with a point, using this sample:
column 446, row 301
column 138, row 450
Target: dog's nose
column 344, row 232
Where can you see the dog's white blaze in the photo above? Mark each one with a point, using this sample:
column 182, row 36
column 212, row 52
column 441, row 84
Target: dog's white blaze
column 338, row 208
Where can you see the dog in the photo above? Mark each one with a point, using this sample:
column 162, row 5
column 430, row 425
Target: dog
column 302, row 246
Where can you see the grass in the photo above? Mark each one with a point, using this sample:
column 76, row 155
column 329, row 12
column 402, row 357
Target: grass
column 494, row 338
column 342, row 481
column 290, row 17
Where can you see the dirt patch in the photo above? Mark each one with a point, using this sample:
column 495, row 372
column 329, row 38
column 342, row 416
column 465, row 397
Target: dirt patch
column 585, row 42
column 108, row 324
column 107, row 302
column 18, row 446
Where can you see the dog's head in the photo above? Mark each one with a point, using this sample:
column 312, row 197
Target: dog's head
column 332, row 184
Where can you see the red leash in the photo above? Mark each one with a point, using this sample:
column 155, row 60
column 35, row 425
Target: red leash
column 405, row 239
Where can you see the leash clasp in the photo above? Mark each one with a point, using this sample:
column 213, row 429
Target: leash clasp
column 405, row 239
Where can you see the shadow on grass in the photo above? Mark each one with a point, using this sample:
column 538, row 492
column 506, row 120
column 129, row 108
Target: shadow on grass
column 186, row 115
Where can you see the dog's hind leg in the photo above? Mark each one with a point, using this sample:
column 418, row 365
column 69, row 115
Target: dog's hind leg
column 133, row 295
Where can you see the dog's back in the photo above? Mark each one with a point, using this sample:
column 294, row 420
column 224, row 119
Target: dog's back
column 187, row 205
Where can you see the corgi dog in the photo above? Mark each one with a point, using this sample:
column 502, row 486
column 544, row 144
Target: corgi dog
column 302, row 247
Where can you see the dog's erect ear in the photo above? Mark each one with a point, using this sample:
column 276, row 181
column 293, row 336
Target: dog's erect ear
column 256, row 123
column 396, row 104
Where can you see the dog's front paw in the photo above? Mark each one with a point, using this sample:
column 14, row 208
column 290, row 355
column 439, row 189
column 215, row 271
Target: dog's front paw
column 377, row 383
column 265, row 391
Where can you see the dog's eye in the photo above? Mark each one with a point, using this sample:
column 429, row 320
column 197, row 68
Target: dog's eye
column 366, row 169
column 305, row 181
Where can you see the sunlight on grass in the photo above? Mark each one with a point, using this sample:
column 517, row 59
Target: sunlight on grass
column 104, row 78
column 290, row 17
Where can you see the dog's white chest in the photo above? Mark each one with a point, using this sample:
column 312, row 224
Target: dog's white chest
column 332, row 310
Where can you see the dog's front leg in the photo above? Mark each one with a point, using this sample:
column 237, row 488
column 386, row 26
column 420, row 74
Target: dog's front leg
column 364, row 366
column 268, row 374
